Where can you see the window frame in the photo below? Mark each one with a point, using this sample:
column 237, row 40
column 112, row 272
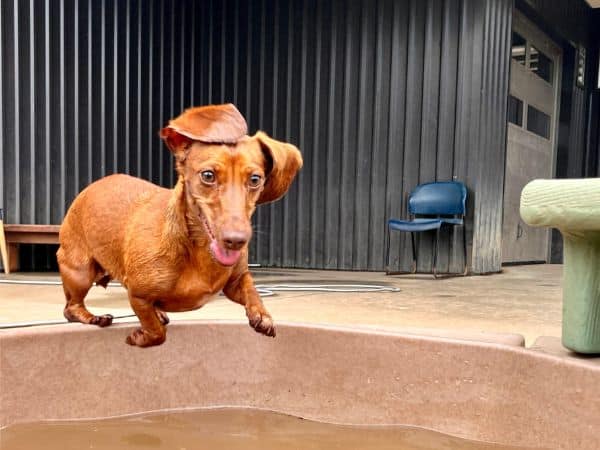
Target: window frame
column 527, row 63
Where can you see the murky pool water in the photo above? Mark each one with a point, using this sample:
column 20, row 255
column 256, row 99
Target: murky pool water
column 224, row 429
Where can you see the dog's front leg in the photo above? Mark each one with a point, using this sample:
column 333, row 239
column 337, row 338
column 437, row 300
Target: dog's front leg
column 241, row 290
column 153, row 331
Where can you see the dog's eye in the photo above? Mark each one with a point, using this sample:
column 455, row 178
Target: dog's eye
column 208, row 176
column 254, row 181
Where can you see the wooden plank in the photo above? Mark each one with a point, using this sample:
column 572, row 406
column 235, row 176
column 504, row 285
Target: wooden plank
column 32, row 238
column 31, row 234
column 29, row 228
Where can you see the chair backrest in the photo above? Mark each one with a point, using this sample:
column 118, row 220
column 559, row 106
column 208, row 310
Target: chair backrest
column 440, row 198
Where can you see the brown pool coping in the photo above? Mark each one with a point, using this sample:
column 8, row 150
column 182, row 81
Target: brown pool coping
column 486, row 391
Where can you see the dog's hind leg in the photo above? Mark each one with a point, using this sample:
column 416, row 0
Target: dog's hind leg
column 162, row 316
column 77, row 281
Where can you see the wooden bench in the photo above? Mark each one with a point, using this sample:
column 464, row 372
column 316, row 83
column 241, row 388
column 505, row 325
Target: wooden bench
column 15, row 235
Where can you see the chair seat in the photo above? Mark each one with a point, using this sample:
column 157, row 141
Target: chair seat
column 415, row 225
column 452, row 221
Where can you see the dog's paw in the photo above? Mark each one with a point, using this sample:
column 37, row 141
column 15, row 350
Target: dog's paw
column 102, row 321
column 143, row 338
column 261, row 321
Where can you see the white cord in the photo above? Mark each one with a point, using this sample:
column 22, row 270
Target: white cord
column 4, row 326
column 327, row 288
column 263, row 289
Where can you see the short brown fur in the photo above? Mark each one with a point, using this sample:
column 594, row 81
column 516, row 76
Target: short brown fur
column 157, row 241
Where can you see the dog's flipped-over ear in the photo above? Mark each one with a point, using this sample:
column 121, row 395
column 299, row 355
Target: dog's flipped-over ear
column 283, row 162
column 212, row 124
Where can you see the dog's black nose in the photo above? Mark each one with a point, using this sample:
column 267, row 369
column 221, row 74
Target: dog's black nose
column 235, row 240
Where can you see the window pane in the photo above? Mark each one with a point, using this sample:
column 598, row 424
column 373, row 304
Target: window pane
column 540, row 64
column 515, row 110
column 538, row 122
column 518, row 48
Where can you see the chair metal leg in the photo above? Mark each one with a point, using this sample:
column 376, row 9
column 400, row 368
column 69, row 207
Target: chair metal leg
column 435, row 252
column 464, row 233
column 387, row 252
column 413, row 269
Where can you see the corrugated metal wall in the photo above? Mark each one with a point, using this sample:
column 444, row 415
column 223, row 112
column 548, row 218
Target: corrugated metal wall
column 379, row 96
column 490, row 154
column 85, row 86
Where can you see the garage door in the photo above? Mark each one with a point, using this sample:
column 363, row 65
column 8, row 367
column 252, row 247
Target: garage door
column 531, row 134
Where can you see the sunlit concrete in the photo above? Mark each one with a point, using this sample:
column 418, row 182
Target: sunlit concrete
column 524, row 300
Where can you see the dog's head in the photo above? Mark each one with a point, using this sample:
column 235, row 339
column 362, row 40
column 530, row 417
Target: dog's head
column 226, row 173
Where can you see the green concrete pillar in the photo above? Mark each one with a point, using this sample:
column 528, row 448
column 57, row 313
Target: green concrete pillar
column 573, row 207
column 581, row 291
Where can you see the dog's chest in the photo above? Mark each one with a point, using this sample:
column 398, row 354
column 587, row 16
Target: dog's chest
column 192, row 290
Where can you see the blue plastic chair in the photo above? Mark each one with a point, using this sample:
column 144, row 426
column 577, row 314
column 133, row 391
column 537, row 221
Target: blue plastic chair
column 431, row 206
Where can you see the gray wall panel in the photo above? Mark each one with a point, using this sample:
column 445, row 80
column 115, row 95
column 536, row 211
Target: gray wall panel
column 332, row 186
column 395, row 205
column 347, row 145
column 381, row 131
column 447, row 119
column 492, row 139
column 413, row 119
column 466, row 118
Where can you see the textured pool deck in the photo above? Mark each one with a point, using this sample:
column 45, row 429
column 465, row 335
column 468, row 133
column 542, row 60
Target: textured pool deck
column 523, row 300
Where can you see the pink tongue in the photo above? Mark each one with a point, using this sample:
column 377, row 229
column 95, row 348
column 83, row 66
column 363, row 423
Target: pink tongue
column 224, row 256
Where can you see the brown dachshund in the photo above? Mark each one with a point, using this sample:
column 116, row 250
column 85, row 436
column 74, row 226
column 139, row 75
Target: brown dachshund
column 174, row 249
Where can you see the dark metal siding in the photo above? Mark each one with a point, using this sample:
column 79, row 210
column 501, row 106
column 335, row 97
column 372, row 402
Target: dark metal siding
column 384, row 95
column 82, row 88
column 378, row 95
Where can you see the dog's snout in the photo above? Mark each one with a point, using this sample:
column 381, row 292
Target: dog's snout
column 235, row 239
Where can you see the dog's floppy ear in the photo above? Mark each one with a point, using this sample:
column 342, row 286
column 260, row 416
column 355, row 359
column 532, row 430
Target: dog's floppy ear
column 213, row 124
column 283, row 162
column 176, row 142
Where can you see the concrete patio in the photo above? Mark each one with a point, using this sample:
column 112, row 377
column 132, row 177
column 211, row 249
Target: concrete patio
column 522, row 300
